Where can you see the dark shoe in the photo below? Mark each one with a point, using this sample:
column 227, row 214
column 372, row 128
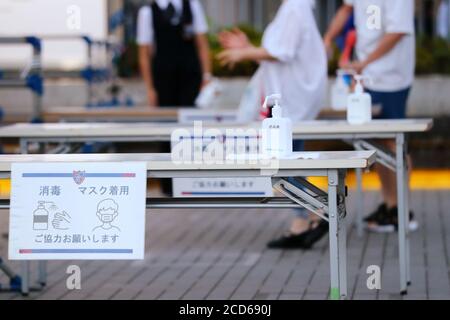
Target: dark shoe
column 374, row 216
column 304, row 240
column 388, row 222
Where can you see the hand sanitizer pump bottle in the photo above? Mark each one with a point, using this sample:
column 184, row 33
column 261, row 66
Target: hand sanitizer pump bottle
column 276, row 131
column 208, row 94
column 359, row 105
column 340, row 91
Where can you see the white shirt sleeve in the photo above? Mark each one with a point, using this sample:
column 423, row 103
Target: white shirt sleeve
column 283, row 36
column 200, row 23
column 349, row 2
column 145, row 32
column 399, row 16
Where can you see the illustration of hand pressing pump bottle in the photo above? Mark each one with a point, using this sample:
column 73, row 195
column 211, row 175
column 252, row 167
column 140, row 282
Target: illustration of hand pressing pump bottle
column 41, row 217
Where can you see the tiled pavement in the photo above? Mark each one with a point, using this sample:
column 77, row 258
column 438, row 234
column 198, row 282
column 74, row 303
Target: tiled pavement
column 199, row 254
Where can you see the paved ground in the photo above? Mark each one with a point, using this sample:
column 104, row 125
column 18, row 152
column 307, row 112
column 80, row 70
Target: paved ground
column 222, row 255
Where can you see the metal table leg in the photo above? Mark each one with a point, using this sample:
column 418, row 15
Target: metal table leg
column 25, row 265
column 406, row 210
column 331, row 208
column 23, row 146
column 359, row 204
column 42, row 265
column 37, row 107
column 398, row 163
column 342, row 235
column 337, row 243
column 402, row 213
column 42, row 277
column 25, row 289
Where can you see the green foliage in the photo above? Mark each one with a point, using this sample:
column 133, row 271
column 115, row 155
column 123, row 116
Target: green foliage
column 433, row 56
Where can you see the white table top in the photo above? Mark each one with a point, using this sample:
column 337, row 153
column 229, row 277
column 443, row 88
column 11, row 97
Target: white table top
column 129, row 114
column 375, row 126
column 83, row 114
column 97, row 130
column 163, row 162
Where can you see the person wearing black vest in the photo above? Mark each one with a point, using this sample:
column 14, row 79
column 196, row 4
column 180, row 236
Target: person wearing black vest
column 173, row 51
column 174, row 55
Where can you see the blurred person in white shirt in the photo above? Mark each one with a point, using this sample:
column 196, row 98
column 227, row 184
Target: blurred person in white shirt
column 385, row 51
column 293, row 63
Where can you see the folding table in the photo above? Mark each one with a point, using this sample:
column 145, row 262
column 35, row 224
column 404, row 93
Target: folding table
column 360, row 136
column 330, row 205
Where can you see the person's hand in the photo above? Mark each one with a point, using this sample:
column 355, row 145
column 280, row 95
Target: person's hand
column 61, row 221
column 204, row 83
column 357, row 66
column 207, row 79
column 230, row 57
column 234, row 39
column 152, row 97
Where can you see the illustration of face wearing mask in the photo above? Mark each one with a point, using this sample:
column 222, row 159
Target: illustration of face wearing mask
column 107, row 212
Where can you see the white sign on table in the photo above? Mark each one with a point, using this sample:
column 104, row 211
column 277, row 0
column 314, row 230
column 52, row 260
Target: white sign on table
column 254, row 187
column 78, row 211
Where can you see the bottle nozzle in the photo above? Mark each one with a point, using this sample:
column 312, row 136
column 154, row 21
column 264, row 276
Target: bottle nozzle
column 274, row 97
column 276, row 110
column 359, row 78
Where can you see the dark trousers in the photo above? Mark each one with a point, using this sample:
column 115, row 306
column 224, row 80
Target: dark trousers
column 393, row 104
column 175, row 88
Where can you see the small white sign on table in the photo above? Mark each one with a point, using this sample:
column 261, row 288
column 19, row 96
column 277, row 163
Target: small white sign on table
column 78, row 211
column 254, row 187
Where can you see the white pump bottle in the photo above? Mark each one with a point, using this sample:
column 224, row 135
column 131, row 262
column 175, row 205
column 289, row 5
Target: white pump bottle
column 359, row 105
column 276, row 131
column 208, row 95
column 340, row 90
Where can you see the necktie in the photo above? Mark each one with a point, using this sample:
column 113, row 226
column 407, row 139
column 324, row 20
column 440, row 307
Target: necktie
column 170, row 13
